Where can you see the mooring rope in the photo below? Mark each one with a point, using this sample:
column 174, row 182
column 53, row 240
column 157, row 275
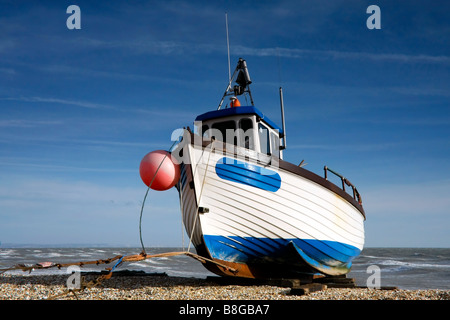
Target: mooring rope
column 146, row 194
column 201, row 191
column 121, row 259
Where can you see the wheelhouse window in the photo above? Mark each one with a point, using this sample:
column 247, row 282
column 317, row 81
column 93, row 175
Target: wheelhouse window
column 219, row 130
column 246, row 133
column 264, row 141
column 275, row 144
column 205, row 132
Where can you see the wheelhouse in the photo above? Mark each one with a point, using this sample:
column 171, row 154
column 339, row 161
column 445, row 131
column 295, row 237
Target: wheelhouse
column 243, row 126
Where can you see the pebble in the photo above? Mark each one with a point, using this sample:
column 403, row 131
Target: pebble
column 29, row 287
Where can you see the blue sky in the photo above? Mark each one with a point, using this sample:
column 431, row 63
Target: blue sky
column 80, row 108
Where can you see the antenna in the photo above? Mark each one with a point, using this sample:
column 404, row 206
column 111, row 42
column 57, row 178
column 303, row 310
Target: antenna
column 282, row 119
column 228, row 47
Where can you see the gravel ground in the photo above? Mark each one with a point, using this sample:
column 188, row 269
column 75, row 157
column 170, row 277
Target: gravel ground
column 178, row 288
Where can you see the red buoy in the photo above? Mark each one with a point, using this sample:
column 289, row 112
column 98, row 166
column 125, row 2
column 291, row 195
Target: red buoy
column 168, row 173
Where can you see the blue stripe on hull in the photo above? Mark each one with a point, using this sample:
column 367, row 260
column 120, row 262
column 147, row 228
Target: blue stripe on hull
column 248, row 174
column 330, row 254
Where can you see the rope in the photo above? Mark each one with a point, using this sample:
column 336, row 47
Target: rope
column 89, row 284
column 145, row 197
column 180, row 197
column 201, row 192
column 117, row 264
column 120, row 259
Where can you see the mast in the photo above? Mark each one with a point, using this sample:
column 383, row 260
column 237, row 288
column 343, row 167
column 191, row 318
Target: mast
column 228, row 47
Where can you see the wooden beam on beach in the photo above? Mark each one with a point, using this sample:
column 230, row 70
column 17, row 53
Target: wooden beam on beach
column 287, row 283
column 337, row 282
column 307, row 289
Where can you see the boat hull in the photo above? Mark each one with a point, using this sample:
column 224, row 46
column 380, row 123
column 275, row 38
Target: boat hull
column 262, row 218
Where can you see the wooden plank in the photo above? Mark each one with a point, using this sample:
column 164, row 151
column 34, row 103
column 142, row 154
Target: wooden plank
column 307, row 289
column 337, row 282
column 380, row 288
column 288, row 283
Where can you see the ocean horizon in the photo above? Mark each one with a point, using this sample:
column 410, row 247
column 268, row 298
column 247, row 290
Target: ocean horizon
column 403, row 267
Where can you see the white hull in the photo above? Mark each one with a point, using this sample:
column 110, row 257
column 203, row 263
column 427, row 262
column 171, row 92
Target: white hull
column 244, row 223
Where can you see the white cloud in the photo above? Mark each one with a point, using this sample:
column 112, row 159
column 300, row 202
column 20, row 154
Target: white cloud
column 411, row 215
column 347, row 147
column 5, row 43
column 58, row 212
column 84, row 104
column 332, row 54
column 145, row 45
column 409, row 200
column 8, row 71
column 45, row 165
column 22, row 123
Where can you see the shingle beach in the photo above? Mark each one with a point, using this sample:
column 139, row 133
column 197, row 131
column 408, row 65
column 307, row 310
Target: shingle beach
column 29, row 287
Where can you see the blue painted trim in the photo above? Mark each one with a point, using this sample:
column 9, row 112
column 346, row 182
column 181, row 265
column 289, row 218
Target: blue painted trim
column 323, row 253
column 236, row 111
column 248, row 174
column 335, row 269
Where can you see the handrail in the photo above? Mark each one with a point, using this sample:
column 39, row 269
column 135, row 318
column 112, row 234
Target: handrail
column 344, row 181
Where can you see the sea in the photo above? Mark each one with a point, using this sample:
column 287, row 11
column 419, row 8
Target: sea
column 404, row 268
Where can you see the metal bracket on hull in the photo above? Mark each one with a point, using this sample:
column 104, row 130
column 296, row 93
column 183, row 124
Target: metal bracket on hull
column 203, row 210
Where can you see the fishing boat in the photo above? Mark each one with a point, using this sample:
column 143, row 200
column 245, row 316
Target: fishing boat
column 248, row 211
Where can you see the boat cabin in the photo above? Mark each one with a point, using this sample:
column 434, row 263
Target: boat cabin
column 243, row 126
